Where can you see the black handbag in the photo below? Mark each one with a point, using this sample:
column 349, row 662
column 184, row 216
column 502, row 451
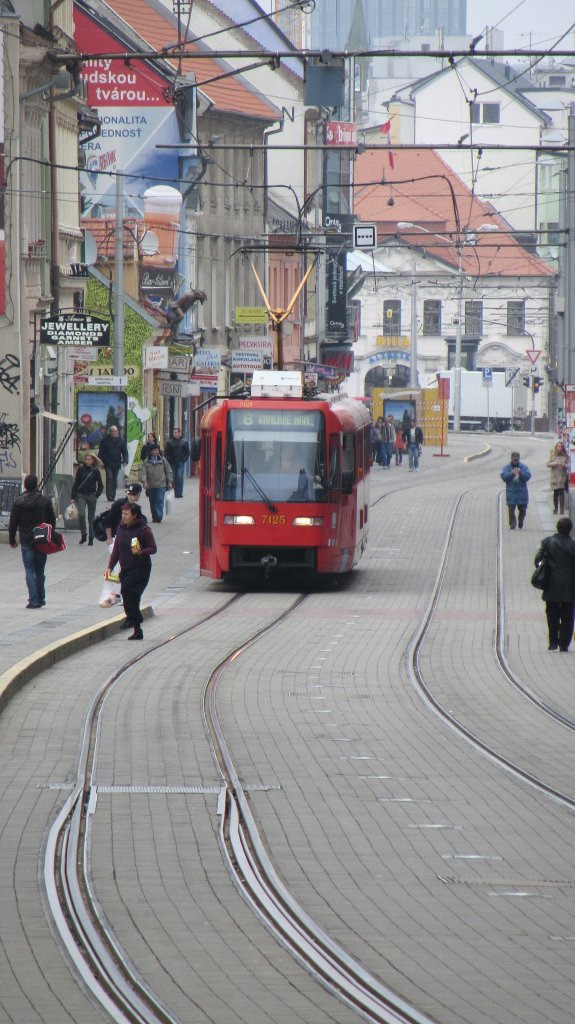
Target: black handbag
column 99, row 526
column 540, row 575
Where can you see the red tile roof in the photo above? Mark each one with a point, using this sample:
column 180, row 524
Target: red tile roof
column 229, row 95
column 426, row 192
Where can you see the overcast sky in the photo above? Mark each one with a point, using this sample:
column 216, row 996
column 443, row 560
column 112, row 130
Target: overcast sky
column 538, row 23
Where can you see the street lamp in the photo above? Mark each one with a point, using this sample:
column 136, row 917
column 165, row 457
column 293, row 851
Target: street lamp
column 457, row 364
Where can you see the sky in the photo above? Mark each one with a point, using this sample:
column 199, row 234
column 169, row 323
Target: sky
column 538, row 23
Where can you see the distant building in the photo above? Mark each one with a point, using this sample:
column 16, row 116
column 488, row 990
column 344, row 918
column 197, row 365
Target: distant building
column 331, row 20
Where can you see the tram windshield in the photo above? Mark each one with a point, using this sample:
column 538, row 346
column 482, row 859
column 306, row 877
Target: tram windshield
column 275, row 455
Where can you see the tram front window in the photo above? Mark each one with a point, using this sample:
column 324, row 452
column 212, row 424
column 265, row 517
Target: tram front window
column 275, row 455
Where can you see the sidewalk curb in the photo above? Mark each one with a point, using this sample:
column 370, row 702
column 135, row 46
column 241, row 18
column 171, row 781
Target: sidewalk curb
column 23, row 671
column 478, row 455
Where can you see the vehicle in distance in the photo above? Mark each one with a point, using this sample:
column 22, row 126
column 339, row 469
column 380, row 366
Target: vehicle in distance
column 283, row 482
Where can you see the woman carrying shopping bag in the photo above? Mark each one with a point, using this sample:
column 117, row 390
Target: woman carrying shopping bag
column 156, row 477
column 134, row 545
column 86, row 490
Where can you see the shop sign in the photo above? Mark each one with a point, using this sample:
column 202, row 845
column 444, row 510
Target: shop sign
column 251, row 315
column 156, row 357
column 341, row 133
column 244, row 361
column 208, row 359
column 78, row 329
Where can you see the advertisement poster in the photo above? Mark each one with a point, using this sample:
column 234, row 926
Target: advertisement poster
column 97, row 411
column 137, row 115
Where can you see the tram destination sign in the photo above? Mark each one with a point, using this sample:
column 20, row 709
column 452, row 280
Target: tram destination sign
column 78, row 329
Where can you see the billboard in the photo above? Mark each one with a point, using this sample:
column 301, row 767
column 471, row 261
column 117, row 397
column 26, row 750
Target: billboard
column 137, row 114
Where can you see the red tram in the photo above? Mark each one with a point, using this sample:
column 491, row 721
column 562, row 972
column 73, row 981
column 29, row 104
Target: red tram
column 283, row 485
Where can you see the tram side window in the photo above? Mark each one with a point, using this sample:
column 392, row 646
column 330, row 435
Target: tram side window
column 348, row 463
column 218, row 469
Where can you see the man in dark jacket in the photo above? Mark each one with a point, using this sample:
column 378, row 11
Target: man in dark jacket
column 29, row 510
column 177, row 452
column 113, row 453
column 413, row 437
column 516, row 476
column 114, row 513
column 559, row 593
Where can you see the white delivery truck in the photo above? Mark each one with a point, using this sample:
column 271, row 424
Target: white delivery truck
column 483, row 406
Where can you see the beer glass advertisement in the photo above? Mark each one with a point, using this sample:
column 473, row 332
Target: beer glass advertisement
column 97, row 411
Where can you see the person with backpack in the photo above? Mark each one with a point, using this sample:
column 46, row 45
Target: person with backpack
column 30, row 509
column 86, row 490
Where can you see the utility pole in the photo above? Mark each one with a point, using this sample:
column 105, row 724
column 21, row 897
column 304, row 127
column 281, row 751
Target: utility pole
column 413, row 368
column 457, row 365
column 118, row 354
column 569, row 287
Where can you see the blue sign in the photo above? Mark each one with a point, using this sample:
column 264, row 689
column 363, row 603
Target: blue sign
column 487, row 377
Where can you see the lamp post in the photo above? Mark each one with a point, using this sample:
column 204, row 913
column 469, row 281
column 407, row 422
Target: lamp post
column 457, row 364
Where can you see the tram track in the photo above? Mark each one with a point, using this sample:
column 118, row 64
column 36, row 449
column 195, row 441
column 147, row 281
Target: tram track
column 425, row 690
column 90, row 943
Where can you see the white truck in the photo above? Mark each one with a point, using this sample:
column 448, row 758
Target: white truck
column 483, row 406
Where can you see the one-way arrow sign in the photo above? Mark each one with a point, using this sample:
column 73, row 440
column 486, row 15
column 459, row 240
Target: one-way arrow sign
column 533, row 354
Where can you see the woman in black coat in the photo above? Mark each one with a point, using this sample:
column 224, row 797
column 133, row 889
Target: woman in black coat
column 559, row 593
column 150, row 444
column 86, row 490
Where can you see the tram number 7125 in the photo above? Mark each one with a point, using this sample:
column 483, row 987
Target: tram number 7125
column 273, row 520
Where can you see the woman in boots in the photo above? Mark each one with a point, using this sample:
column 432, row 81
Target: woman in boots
column 134, row 545
column 86, row 490
column 558, row 463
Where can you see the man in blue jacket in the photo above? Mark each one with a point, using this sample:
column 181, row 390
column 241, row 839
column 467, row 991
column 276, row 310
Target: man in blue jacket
column 516, row 474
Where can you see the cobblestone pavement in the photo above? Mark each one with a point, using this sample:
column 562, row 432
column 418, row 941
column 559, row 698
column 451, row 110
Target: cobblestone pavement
column 446, row 876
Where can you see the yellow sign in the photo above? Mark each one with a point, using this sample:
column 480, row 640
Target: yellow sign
column 393, row 341
column 251, row 315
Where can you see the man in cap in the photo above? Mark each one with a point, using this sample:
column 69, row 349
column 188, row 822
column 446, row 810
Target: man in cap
column 515, row 475
column 114, row 514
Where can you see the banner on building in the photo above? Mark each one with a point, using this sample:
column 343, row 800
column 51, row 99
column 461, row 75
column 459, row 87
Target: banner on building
column 76, row 329
column 336, row 314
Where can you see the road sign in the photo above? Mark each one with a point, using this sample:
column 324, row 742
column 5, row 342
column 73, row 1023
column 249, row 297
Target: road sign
column 510, row 374
column 487, row 377
column 365, row 236
column 533, row 354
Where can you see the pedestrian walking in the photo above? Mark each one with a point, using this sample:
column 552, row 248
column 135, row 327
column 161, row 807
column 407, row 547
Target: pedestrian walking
column 400, row 446
column 29, row 510
column 558, row 551
column 558, row 463
column 177, row 452
column 413, row 437
column 134, row 545
column 156, row 477
column 113, row 453
column 387, row 441
column 151, row 440
column 86, row 490
column 114, row 513
column 516, row 474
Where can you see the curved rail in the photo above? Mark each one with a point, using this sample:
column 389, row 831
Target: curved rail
column 90, row 942
column 418, row 680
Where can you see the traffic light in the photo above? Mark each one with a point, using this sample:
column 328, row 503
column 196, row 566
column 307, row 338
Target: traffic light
column 537, row 382
column 527, row 381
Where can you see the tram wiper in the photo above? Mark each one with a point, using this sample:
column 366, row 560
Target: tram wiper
column 245, row 472
column 262, row 494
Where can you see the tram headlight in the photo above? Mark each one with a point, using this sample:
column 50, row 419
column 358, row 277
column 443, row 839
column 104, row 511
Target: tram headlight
column 308, row 521
column 231, row 520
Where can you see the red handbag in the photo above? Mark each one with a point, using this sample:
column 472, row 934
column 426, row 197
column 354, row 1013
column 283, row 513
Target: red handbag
column 47, row 540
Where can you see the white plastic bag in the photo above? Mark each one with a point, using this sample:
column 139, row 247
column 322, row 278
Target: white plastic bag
column 110, row 593
column 169, row 502
column 71, row 511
